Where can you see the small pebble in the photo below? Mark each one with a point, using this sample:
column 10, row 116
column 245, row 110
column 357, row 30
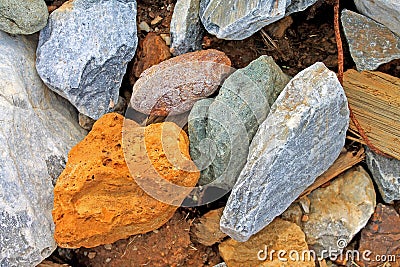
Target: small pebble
column 156, row 29
column 157, row 20
column 91, row 255
column 166, row 38
column 108, row 260
column 169, row 8
column 143, row 26
column 108, row 246
column 156, row 231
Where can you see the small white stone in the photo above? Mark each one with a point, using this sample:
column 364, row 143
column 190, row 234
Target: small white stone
column 143, row 26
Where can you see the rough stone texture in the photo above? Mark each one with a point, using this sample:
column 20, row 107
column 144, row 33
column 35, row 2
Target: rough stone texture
column 84, row 50
column 186, row 29
column 37, row 129
column 293, row 214
column 381, row 236
column 301, row 137
column 371, row 44
column 386, row 173
column 238, row 19
column 173, row 86
column 340, row 211
column 206, row 230
column 386, row 12
column 279, row 235
column 23, row 17
column 220, row 132
column 97, row 199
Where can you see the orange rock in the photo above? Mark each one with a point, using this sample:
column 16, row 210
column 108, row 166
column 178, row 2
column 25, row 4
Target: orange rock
column 97, row 200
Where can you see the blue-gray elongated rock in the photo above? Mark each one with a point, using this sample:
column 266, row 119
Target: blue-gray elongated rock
column 301, row 137
column 186, row 29
column 386, row 173
column 38, row 128
column 84, row 50
column 371, row 44
column 238, row 19
column 220, row 131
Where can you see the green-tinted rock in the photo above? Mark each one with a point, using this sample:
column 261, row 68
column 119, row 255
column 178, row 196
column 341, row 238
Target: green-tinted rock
column 221, row 130
column 22, row 16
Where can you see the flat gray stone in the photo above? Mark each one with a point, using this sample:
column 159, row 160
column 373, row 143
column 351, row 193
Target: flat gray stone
column 220, row 132
column 338, row 212
column 23, row 17
column 238, row 19
column 38, row 128
column 298, row 141
column 84, row 50
column 371, row 44
column 186, row 29
column 386, row 173
column 386, row 12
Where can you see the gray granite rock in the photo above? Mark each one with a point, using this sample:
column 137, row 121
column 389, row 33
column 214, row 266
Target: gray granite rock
column 186, row 29
column 301, row 137
column 84, row 51
column 386, row 12
column 371, row 44
column 238, row 19
column 23, row 17
column 386, row 173
column 339, row 211
column 38, row 128
column 220, row 132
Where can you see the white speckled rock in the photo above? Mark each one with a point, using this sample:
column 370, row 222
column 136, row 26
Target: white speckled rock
column 299, row 140
column 84, row 50
column 38, row 128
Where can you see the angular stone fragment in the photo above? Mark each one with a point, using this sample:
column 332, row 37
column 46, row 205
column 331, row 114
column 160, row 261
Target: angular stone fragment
column 339, row 211
column 186, row 29
column 238, row 19
column 173, row 86
column 206, row 230
column 220, row 132
column 301, row 137
column 38, row 128
column 381, row 237
column 97, row 197
column 386, row 173
column 262, row 248
column 386, row 12
column 84, row 51
column 371, row 44
column 23, row 17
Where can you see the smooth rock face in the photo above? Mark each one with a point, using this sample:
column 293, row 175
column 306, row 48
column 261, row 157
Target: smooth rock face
column 381, row 236
column 173, row 86
column 386, row 12
column 186, row 29
column 386, row 173
column 23, row 17
column 239, row 19
column 352, row 192
column 97, row 199
column 301, row 137
column 279, row 235
column 220, row 135
column 84, row 50
column 371, row 44
column 37, row 130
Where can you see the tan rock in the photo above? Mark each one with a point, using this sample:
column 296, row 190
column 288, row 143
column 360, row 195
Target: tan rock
column 262, row 248
column 96, row 199
column 206, row 230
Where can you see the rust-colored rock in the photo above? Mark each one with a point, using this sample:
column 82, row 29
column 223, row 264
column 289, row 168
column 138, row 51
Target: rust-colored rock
column 262, row 248
column 174, row 85
column 152, row 51
column 97, row 200
column 206, row 230
column 381, row 237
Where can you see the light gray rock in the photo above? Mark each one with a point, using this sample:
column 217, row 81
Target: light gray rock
column 38, row 128
column 23, row 17
column 84, row 50
column 371, row 44
column 186, row 29
column 299, row 140
column 339, row 211
column 220, row 134
column 386, row 173
column 222, row 264
column 238, row 19
column 386, row 12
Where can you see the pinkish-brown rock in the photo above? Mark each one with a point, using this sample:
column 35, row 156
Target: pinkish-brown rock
column 206, row 230
column 174, row 85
